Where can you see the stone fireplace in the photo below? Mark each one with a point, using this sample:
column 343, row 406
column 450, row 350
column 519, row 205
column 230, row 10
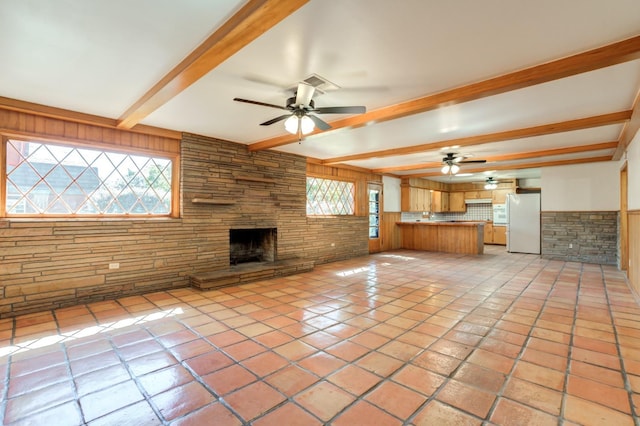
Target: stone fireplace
column 252, row 245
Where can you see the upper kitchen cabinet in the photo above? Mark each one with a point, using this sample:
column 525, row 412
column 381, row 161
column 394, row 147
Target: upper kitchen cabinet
column 477, row 195
column 415, row 199
column 499, row 196
column 439, row 201
column 456, row 202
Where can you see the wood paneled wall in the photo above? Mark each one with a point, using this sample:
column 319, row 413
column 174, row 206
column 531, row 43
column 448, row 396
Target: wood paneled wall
column 633, row 224
column 390, row 232
column 24, row 125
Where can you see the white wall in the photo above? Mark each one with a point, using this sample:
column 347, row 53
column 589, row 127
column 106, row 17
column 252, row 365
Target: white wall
column 633, row 167
column 391, row 194
column 581, row 187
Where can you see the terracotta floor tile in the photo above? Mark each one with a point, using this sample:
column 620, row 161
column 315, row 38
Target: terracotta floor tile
column 596, row 358
column 370, row 340
column 162, row 380
column 491, row 361
column 324, row 400
column 612, row 397
column 347, row 350
column 599, row 374
column 321, row 363
column 295, row 350
column 437, row 413
column 586, row 412
column 265, row 363
column 451, row 348
column 139, row 413
column 436, row 362
column 38, row 380
column 253, row 330
column 547, row 346
column 148, row 363
column 543, row 376
column 380, row 364
column 228, row 379
column 479, row 377
column 209, row 362
column 273, row 339
column 510, row 413
column 364, row 414
column 254, row 400
column 226, row 338
column 499, row 347
column 27, row 404
column 69, row 411
column 37, row 363
column 289, row 414
column 533, row 395
column 466, row 398
column 396, row 399
column 595, row 345
column 291, row 380
column 192, row 349
column 243, row 350
column 320, row 339
column 419, row 379
column 417, row 339
column 88, row 349
column 135, row 350
column 108, row 400
column 354, row 379
column 100, row 379
column 203, row 416
column 545, row 359
column 179, row 401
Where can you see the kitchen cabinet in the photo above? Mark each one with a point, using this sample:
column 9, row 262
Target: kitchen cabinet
column 439, row 201
column 456, row 202
column 414, row 199
column 499, row 196
column 495, row 234
column 476, row 195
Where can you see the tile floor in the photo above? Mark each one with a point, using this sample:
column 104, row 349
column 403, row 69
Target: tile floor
column 396, row 338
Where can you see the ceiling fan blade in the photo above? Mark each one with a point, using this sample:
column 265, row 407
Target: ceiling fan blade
column 275, row 120
column 320, row 124
column 304, row 94
column 247, row 101
column 341, row 110
column 471, row 161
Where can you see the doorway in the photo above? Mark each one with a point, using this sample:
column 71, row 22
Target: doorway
column 375, row 217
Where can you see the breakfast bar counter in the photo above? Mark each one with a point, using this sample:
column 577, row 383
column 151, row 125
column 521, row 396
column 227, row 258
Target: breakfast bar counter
column 449, row 237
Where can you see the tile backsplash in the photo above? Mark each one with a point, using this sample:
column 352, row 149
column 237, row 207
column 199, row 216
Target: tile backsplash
column 474, row 212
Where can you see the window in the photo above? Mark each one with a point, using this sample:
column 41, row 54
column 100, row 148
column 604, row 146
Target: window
column 46, row 179
column 330, row 197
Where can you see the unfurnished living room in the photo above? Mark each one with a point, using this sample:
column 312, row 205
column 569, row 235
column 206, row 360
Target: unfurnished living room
column 319, row 212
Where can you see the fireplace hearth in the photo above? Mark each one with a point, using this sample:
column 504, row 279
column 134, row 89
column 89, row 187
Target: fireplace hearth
column 252, row 245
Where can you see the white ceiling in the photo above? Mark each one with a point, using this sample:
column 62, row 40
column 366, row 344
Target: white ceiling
column 99, row 57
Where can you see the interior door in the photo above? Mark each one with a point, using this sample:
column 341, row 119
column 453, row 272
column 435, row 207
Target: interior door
column 375, row 217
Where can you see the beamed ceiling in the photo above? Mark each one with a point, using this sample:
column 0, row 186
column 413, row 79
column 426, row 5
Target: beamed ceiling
column 523, row 85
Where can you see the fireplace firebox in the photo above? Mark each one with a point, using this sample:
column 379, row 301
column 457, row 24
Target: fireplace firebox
column 252, row 245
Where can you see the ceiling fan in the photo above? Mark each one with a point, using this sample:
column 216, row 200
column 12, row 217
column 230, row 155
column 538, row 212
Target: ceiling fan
column 299, row 119
column 451, row 160
column 491, row 183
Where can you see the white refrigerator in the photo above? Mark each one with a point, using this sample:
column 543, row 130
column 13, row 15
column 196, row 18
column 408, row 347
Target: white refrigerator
column 523, row 228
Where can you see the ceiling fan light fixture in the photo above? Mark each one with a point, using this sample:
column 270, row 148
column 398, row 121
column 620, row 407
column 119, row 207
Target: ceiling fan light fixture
column 294, row 122
column 450, row 168
column 445, row 169
column 455, row 169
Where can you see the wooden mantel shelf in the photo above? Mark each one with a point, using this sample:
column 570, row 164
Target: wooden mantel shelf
column 255, row 179
column 214, row 201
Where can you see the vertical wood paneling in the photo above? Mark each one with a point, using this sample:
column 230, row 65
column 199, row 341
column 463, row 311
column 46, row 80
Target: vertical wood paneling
column 21, row 124
column 634, row 250
column 390, row 232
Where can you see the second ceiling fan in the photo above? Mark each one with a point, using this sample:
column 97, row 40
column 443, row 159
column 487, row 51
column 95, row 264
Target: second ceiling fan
column 301, row 118
column 451, row 160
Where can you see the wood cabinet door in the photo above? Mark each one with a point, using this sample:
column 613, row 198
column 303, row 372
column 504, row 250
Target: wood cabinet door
column 488, row 233
column 500, row 235
column 499, row 196
column 456, row 202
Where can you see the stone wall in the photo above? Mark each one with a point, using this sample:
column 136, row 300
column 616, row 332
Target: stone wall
column 593, row 236
column 46, row 264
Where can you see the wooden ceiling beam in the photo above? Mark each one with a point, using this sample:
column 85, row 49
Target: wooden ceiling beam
column 612, row 54
column 545, row 129
column 254, row 19
column 519, row 166
column 510, row 157
column 630, row 130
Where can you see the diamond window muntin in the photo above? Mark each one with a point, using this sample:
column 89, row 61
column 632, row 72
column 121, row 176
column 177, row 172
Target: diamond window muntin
column 46, row 179
column 327, row 197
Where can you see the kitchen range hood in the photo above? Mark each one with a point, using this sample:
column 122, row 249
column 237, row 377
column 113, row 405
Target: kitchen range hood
column 478, row 201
